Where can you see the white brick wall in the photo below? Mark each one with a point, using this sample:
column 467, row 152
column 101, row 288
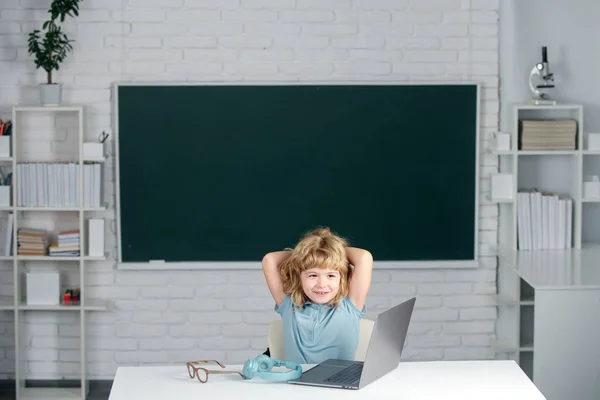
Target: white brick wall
column 171, row 317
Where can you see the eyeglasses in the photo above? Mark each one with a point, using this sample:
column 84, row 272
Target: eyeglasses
column 202, row 373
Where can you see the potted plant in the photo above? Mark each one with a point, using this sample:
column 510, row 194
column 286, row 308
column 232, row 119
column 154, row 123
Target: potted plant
column 49, row 49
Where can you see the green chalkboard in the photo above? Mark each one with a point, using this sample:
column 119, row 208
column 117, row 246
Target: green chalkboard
column 230, row 172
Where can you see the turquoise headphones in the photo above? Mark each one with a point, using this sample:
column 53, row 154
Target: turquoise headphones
column 262, row 365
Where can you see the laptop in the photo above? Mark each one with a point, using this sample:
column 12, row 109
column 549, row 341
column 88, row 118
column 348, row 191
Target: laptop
column 383, row 354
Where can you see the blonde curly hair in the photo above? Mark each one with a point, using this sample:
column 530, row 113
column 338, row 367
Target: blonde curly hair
column 317, row 249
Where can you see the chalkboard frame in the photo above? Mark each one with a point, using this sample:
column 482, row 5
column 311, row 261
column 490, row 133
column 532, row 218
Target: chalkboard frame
column 253, row 265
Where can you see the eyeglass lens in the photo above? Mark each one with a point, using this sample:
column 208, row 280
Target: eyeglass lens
column 198, row 373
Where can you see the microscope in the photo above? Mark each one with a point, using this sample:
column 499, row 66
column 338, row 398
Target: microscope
column 541, row 73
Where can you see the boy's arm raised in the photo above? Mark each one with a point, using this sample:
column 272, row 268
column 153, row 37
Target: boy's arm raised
column 361, row 276
column 271, row 268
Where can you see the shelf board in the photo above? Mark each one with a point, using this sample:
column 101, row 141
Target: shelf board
column 87, row 159
column 591, row 200
column 52, row 209
column 57, row 258
column 95, row 159
column 538, row 152
column 549, row 106
column 504, row 347
column 90, row 305
column 527, row 301
column 48, row 108
column 548, row 152
column 60, row 307
column 501, row 200
column 49, row 393
column 502, row 152
column 48, row 258
column 591, row 152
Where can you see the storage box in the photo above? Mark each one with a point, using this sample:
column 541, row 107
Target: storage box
column 95, row 237
column 591, row 188
column 502, row 141
column 593, row 141
column 43, row 288
column 5, row 146
column 93, row 150
column 5, row 195
column 501, row 187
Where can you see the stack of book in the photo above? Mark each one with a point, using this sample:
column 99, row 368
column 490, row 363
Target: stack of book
column 544, row 221
column 67, row 244
column 57, row 184
column 31, row 242
column 548, row 134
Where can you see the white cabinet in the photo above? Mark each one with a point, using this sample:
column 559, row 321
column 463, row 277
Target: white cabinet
column 549, row 319
column 548, row 252
column 49, row 196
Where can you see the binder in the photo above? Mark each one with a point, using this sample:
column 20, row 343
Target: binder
column 95, row 237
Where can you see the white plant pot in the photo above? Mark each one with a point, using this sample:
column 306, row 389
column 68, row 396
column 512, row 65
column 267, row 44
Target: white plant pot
column 50, row 94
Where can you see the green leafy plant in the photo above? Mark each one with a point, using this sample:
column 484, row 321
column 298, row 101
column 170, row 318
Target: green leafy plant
column 49, row 49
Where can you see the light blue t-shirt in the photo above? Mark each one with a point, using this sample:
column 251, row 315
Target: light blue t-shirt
column 316, row 332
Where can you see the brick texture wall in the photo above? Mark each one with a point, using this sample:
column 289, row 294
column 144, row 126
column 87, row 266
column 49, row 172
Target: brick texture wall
column 162, row 317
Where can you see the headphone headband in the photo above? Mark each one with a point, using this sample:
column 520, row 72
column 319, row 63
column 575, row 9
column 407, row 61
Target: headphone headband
column 262, row 365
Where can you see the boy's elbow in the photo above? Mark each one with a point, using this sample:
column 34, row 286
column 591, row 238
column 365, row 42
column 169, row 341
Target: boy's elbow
column 267, row 260
column 367, row 257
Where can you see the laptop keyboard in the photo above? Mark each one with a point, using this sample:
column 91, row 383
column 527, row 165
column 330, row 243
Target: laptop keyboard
column 347, row 376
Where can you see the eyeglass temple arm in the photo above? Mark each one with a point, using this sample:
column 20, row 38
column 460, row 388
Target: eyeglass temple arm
column 226, row 372
column 206, row 362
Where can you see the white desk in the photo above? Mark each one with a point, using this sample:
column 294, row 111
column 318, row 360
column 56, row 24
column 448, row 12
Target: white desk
column 538, row 292
column 450, row 380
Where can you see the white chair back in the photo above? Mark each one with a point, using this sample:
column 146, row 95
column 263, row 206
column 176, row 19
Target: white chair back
column 275, row 339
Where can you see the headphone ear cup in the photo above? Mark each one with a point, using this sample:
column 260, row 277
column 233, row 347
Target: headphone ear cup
column 264, row 363
column 250, row 368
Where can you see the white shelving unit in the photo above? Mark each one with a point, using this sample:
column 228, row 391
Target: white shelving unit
column 26, row 217
column 548, row 310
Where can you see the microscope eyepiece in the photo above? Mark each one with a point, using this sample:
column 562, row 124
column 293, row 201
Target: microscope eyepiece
column 544, row 54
